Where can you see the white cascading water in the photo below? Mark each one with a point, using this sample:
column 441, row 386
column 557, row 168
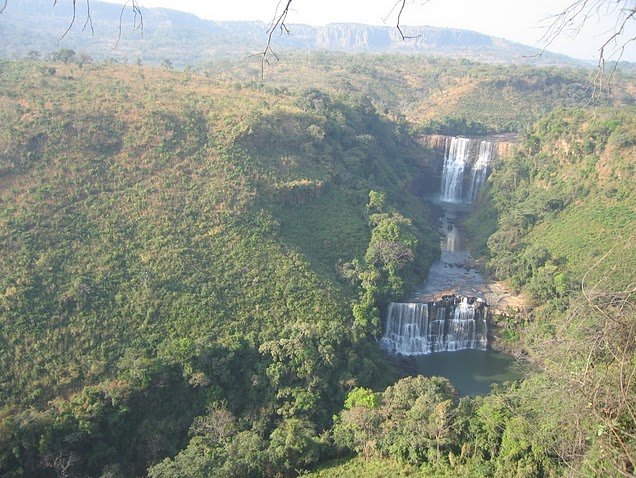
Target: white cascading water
column 453, row 174
column 452, row 323
column 460, row 153
column 479, row 171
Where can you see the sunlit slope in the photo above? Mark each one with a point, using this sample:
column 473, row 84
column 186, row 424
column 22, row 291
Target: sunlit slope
column 448, row 96
column 146, row 214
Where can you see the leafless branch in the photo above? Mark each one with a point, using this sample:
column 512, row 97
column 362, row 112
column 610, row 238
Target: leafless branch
column 398, row 24
column 400, row 5
column 70, row 25
column 138, row 19
column 576, row 15
column 277, row 24
column 89, row 19
column 61, row 462
column 613, row 38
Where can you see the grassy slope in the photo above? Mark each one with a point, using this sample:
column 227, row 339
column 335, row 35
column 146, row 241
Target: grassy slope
column 590, row 175
column 602, row 218
column 585, row 160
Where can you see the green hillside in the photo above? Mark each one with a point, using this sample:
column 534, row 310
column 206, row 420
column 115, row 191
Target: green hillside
column 154, row 257
column 566, row 203
column 195, row 266
column 558, row 221
column 439, row 95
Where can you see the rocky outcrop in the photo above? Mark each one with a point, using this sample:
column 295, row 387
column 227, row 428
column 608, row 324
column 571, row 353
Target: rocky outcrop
column 188, row 33
column 351, row 36
column 504, row 143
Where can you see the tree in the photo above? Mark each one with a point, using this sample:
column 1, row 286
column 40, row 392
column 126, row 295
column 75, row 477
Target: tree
column 83, row 59
column 218, row 424
column 65, row 55
column 293, row 446
column 361, row 397
column 61, row 462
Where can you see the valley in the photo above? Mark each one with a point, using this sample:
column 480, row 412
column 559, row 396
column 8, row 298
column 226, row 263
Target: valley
column 207, row 273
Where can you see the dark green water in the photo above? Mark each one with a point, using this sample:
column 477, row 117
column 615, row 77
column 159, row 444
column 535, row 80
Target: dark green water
column 472, row 372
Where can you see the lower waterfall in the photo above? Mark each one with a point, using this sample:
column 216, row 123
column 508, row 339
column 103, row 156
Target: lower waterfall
column 448, row 324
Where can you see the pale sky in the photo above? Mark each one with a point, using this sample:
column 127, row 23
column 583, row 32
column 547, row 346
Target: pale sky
column 523, row 21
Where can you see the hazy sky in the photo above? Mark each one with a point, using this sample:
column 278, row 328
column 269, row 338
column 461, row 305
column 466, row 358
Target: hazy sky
column 523, row 21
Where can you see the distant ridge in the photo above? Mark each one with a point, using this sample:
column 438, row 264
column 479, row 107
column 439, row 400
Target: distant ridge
column 185, row 39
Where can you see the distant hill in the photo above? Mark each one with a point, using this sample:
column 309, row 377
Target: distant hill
column 185, row 39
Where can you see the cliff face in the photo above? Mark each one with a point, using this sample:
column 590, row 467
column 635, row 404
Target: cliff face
column 432, row 161
column 504, row 144
column 348, row 36
column 42, row 24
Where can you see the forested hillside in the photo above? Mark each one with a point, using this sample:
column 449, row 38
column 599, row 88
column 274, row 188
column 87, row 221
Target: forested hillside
column 558, row 222
column 195, row 266
column 155, row 263
column 438, row 95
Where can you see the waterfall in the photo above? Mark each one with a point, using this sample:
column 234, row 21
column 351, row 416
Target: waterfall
column 454, row 165
column 462, row 182
column 449, row 324
column 479, row 170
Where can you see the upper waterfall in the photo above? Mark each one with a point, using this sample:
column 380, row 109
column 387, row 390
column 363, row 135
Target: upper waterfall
column 466, row 163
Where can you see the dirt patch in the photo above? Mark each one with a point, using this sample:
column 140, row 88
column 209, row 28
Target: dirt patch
column 502, row 300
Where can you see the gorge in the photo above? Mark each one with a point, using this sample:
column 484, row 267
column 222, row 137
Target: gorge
column 449, row 311
column 196, row 274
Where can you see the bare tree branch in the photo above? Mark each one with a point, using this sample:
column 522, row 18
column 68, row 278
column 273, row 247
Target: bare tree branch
column 616, row 35
column 70, row 25
column 138, row 19
column 400, row 5
column 89, row 18
column 576, row 16
column 278, row 23
column 61, row 462
column 398, row 24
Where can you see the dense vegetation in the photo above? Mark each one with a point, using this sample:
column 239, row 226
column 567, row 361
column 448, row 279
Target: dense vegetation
column 153, row 262
column 561, row 221
column 437, row 95
column 558, row 221
column 194, row 269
